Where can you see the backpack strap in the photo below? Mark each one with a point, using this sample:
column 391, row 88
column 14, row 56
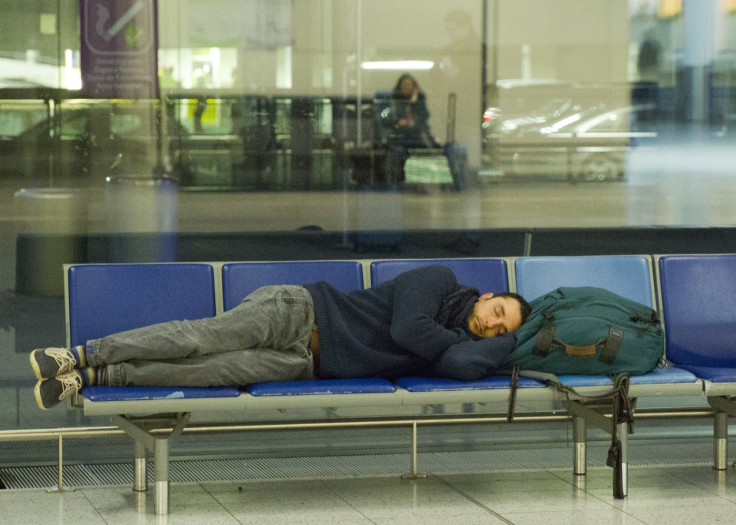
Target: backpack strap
column 545, row 339
column 619, row 391
column 611, row 346
column 512, row 394
column 516, row 373
column 622, row 412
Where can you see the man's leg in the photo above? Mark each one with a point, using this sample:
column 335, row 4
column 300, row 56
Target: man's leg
column 265, row 338
column 236, row 368
column 270, row 317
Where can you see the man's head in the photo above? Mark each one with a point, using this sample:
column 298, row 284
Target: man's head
column 498, row 314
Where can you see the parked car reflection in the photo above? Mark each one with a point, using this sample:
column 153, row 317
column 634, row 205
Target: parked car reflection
column 502, row 121
column 583, row 145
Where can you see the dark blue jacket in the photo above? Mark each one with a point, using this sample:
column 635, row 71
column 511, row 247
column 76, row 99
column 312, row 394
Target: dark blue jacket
column 389, row 331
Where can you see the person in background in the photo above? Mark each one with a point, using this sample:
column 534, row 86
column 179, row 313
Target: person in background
column 406, row 125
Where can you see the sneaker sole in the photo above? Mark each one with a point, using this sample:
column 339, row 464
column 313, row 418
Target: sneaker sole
column 37, row 395
column 36, row 370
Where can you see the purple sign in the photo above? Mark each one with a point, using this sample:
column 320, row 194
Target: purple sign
column 119, row 48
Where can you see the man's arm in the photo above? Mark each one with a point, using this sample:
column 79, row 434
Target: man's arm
column 418, row 295
column 471, row 360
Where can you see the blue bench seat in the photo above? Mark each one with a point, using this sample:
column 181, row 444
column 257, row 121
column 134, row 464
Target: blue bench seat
column 321, row 387
column 667, row 375
column 423, row 384
column 699, row 306
column 97, row 394
column 149, row 293
column 714, row 374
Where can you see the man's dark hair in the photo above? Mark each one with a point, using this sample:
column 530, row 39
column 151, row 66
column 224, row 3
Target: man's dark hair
column 525, row 308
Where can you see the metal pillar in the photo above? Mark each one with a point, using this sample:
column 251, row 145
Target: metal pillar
column 720, row 440
column 140, row 481
column 579, row 438
column 588, row 415
column 161, row 477
column 723, row 407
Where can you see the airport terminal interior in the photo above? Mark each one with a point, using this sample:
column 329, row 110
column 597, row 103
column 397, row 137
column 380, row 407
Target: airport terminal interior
column 140, row 131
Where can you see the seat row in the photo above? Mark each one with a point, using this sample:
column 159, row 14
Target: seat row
column 695, row 294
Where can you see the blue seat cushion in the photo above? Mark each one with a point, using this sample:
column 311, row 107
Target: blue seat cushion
column 145, row 393
column 658, row 376
column 321, row 386
column 713, row 374
column 426, row 384
column 669, row 374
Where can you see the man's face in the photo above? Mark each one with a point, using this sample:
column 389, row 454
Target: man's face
column 494, row 316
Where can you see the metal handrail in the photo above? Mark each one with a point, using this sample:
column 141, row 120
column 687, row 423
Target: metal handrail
column 100, row 431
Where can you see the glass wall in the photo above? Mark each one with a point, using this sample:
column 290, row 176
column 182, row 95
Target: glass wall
column 161, row 130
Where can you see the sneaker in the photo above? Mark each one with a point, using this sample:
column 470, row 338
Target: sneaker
column 50, row 362
column 50, row 392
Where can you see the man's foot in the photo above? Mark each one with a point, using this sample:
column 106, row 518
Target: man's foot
column 50, row 392
column 50, row 362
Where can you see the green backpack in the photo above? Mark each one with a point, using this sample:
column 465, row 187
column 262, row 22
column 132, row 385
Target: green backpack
column 588, row 331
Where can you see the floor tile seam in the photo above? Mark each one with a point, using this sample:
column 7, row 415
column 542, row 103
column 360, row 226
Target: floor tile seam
column 150, row 492
column 93, row 506
column 590, row 494
column 647, row 501
column 541, row 513
column 714, row 491
column 474, row 501
column 219, row 502
column 324, row 484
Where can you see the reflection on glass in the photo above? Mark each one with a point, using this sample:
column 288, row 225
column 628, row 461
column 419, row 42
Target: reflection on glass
column 268, row 121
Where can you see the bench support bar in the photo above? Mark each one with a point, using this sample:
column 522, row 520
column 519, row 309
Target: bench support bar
column 723, row 408
column 140, row 429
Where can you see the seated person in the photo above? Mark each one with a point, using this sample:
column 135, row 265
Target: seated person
column 420, row 323
column 405, row 124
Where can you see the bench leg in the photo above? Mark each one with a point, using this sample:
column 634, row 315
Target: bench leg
column 140, row 430
column 161, row 477
column 579, row 437
column 140, row 481
column 622, row 432
column 720, row 440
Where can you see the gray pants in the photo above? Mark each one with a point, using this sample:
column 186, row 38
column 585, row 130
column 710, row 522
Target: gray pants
column 265, row 338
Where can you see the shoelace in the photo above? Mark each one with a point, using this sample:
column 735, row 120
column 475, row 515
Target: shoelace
column 63, row 358
column 70, row 383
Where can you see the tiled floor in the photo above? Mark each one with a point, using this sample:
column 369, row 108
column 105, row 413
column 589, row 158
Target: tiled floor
column 666, row 495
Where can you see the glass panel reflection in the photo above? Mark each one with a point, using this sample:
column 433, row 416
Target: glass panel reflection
column 277, row 134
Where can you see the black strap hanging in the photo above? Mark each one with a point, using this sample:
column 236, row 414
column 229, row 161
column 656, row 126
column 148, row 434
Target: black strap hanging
column 512, row 394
